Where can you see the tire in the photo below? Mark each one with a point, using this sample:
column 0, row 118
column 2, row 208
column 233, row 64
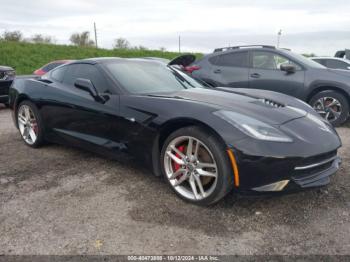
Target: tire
column 35, row 124
column 211, row 148
column 7, row 105
column 341, row 107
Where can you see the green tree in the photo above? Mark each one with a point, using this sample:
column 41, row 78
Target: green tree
column 14, row 36
column 81, row 39
column 121, row 43
column 41, row 39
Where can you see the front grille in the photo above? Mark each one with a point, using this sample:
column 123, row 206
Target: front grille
column 317, row 169
column 313, row 170
column 318, row 158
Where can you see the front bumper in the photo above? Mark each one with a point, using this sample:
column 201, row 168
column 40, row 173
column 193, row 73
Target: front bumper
column 268, row 174
column 4, row 90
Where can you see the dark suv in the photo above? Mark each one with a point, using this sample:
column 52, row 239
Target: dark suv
column 7, row 74
column 280, row 70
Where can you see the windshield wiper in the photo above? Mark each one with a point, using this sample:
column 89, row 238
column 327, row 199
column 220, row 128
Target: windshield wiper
column 179, row 76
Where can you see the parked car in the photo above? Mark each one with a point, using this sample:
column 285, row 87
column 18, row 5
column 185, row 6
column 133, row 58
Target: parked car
column 280, row 70
column 205, row 142
column 333, row 62
column 48, row 67
column 7, row 74
column 343, row 54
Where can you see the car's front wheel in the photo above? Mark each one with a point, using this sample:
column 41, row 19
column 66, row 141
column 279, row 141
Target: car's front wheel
column 196, row 166
column 332, row 106
column 30, row 124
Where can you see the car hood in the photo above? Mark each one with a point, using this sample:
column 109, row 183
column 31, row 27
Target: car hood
column 269, row 107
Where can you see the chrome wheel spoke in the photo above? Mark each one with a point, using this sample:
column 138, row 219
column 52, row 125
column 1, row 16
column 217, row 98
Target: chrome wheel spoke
column 177, row 173
column 193, row 187
column 206, row 165
column 175, row 158
column 199, row 184
column 335, row 113
column 196, row 149
column 27, row 113
column 177, row 151
column 202, row 172
column 189, row 147
column 334, row 103
column 327, row 115
column 22, row 119
column 32, row 134
column 181, row 180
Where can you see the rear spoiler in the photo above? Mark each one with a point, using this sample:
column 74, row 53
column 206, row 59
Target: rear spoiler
column 183, row 60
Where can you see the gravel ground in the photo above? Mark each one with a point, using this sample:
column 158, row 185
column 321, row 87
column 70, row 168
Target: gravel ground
column 60, row 200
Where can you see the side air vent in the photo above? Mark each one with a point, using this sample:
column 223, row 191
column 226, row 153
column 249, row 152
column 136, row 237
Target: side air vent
column 271, row 103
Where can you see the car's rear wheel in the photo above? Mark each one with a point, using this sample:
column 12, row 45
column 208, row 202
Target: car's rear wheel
column 332, row 106
column 30, row 124
column 196, row 166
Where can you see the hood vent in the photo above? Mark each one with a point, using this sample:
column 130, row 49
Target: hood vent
column 271, row 103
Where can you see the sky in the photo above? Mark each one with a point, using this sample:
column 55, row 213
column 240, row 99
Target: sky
column 308, row 26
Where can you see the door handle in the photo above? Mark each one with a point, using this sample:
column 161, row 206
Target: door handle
column 217, row 71
column 255, row 75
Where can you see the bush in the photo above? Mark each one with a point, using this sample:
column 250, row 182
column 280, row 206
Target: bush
column 27, row 57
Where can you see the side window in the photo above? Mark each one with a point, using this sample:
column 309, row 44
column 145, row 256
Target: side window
column 336, row 64
column 233, row 59
column 321, row 61
column 270, row 61
column 71, row 74
column 58, row 74
column 95, row 76
column 86, row 71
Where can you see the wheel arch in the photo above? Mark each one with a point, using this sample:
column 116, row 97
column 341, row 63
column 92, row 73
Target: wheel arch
column 325, row 88
column 169, row 127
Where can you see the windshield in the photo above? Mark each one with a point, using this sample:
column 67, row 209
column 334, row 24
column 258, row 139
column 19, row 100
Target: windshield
column 143, row 77
column 304, row 60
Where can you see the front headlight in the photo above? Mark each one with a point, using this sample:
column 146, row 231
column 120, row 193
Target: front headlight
column 253, row 128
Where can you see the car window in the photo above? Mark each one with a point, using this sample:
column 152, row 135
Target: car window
column 86, row 71
column 233, row 59
column 140, row 77
column 58, row 73
column 321, row 61
column 336, row 64
column 270, row 61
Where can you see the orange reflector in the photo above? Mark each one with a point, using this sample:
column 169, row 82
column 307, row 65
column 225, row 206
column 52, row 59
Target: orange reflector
column 234, row 167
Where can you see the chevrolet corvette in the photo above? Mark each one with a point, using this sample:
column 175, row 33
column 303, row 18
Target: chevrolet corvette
column 205, row 142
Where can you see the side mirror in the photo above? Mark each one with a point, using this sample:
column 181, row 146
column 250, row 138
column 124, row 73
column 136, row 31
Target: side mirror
column 348, row 67
column 288, row 68
column 86, row 85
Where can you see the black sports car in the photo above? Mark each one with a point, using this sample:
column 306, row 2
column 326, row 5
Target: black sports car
column 7, row 74
column 205, row 142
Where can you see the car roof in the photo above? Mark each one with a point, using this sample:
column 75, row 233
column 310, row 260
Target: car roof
column 97, row 60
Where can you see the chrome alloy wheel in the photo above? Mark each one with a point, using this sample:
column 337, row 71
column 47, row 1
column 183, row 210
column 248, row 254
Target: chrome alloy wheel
column 190, row 167
column 27, row 124
column 328, row 107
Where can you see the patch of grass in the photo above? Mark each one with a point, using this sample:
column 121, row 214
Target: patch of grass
column 27, row 57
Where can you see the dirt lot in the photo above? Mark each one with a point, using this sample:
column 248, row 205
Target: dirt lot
column 59, row 200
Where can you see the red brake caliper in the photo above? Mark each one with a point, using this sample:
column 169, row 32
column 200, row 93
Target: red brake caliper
column 176, row 165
